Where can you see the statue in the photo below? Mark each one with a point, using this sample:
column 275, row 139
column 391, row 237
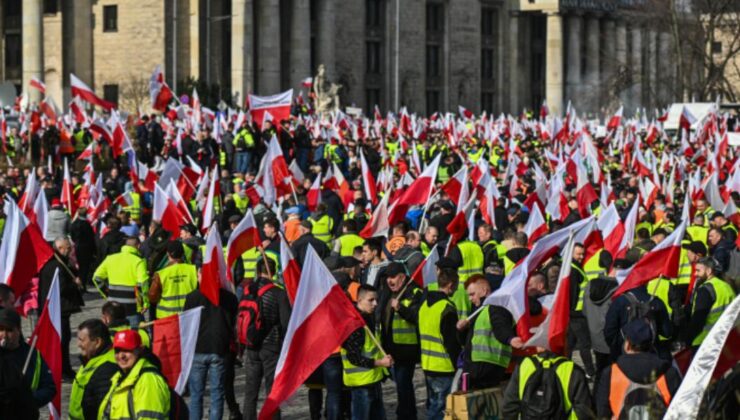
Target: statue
column 326, row 94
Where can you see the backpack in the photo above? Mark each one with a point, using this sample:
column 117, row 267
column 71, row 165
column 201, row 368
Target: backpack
column 543, row 396
column 178, row 407
column 732, row 275
column 636, row 309
column 642, row 402
column 249, row 317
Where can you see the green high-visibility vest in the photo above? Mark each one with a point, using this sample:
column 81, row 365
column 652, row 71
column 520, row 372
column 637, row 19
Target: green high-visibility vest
column 698, row 233
column 685, row 268
column 563, row 371
column 592, row 268
column 723, row 296
column 402, row 331
column 348, row 243
column 581, row 286
column 434, row 357
column 322, row 228
column 484, row 345
column 82, row 378
column 472, row 259
column 460, row 299
column 177, row 281
column 474, row 156
column 359, row 376
column 249, row 261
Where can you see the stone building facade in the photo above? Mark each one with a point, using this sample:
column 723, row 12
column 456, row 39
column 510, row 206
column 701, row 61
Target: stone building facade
column 428, row 55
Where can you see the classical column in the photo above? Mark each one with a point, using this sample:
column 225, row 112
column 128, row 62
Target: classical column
column 33, row 46
column 575, row 36
column 554, row 63
column 609, row 61
column 325, row 40
column 593, row 74
column 621, row 52
column 665, row 66
column 2, row 41
column 652, row 69
column 300, row 42
column 242, row 48
column 515, row 98
column 636, row 66
column 194, row 35
column 268, row 48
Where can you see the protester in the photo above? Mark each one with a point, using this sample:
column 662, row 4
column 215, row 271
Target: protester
column 93, row 380
column 172, row 284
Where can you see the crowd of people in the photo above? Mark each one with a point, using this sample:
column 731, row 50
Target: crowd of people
column 501, row 174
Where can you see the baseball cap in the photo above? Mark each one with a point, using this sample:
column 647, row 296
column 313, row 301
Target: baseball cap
column 696, row 247
column 188, row 227
column 446, row 262
column 394, row 269
column 10, row 318
column 235, row 219
column 126, row 340
column 174, row 248
column 348, row 262
column 638, row 332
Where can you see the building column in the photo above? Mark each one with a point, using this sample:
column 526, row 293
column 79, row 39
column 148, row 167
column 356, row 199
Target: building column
column 515, row 97
column 608, row 67
column 242, row 49
column 621, row 50
column 268, row 47
column 554, row 63
column 573, row 73
column 194, row 35
column 33, row 46
column 300, row 43
column 636, row 67
column 652, row 70
column 593, row 73
column 665, row 67
column 2, row 41
column 325, row 43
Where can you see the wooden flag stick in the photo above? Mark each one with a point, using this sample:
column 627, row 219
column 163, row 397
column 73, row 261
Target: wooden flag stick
column 375, row 340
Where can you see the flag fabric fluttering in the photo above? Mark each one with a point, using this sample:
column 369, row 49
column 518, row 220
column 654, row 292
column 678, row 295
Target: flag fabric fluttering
column 48, row 338
column 213, row 271
column 243, row 238
column 174, row 342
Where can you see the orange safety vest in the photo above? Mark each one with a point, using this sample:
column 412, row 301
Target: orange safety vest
column 620, row 385
column 352, row 290
column 65, row 143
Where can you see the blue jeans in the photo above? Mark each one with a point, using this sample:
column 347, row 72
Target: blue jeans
column 213, row 366
column 332, row 371
column 243, row 160
column 403, row 375
column 367, row 402
column 437, row 389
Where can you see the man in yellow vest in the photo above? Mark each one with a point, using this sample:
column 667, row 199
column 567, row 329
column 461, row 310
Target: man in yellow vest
column 469, row 256
column 346, row 244
column 728, row 229
column 323, row 225
column 123, row 278
column 172, row 284
column 399, row 304
column 697, row 230
column 437, row 323
column 516, row 253
column 708, row 302
column 459, row 297
column 114, row 317
column 578, row 332
column 92, row 381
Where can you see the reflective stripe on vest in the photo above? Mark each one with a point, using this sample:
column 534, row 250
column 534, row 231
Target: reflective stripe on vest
column 404, row 332
column 621, row 386
column 322, row 228
column 82, row 378
column 177, row 281
column 592, row 268
column 723, row 296
column 348, row 242
column 472, row 259
column 581, row 286
column 434, row 357
column 359, row 376
column 484, row 345
column 564, row 371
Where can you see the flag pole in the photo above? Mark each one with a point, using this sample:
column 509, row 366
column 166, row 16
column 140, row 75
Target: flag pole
column 424, row 213
column 477, row 311
column 264, row 258
column 295, row 196
column 375, row 340
column 30, row 352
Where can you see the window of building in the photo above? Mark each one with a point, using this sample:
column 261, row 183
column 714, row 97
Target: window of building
column 373, row 57
column 717, row 47
column 51, row 7
column 374, row 13
column 13, row 50
column 373, row 98
column 110, row 18
column 435, row 17
column 488, row 22
column 434, row 67
column 487, row 64
column 487, row 101
column 432, row 101
column 110, row 93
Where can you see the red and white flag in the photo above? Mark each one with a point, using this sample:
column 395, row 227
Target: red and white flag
column 296, row 171
column 319, row 302
column 125, row 199
column 368, row 181
column 291, row 270
column 160, row 94
column 167, row 211
column 612, row 230
column 174, row 343
column 417, row 193
column 213, row 272
column 68, row 198
column 536, row 226
column 276, row 178
column 23, row 250
column 83, row 91
column 464, row 112
column 313, row 195
column 378, row 224
column 628, row 238
column 585, row 193
column 243, row 238
column 48, row 335
column 426, row 272
column 277, row 105
column 307, row 82
column 616, row 119
column 661, row 261
column 213, row 195
column 687, row 119
column 29, row 193
column 37, row 84
column 453, row 187
column 40, row 215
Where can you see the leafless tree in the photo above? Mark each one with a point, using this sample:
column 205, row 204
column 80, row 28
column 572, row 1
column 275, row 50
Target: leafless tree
column 135, row 94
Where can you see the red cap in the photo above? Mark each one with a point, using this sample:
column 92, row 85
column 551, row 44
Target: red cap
column 55, row 202
column 127, row 340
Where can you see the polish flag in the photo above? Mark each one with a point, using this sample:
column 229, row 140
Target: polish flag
column 40, row 214
column 37, row 84
column 648, row 192
column 454, row 185
column 544, row 110
column 307, row 82
column 417, row 193
column 640, row 165
column 464, row 112
column 585, row 194
column 313, row 196
column 210, row 201
column 296, row 171
column 100, row 129
column 48, row 338
column 488, row 203
column 243, row 238
column 23, row 250
column 338, row 183
column 277, row 105
column 83, row 91
column 167, row 213
column 378, row 224
column 661, row 261
column 616, row 119
column 141, row 173
column 29, row 193
column 213, row 273
column 319, row 302
column 536, row 226
column 125, row 199
column 160, row 94
column 78, row 112
column 512, row 294
column 686, row 120
column 426, row 272
column 174, row 344
column 291, row 270
column 276, row 178
column 67, row 197
column 612, row 229
column 368, row 181
column 630, row 223
column 87, row 153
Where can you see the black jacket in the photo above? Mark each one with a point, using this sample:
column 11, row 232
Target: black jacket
column 110, row 244
column 642, row 368
column 275, row 313
column 83, row 236
column 15, row 394
column 300, row 247
column 46, row 388
column 97, row 388
column 216, row 331
column 69, row 292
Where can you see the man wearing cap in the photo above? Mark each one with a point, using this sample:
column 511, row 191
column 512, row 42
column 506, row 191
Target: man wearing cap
column 300, row 246
column 191, row 244
column 58, row 221
column 637, row 366
column 138, row 387
column 345, row 244
column 729, row 230
column 14, row 352
column 172, row 284
column 516, row 253
column 459, row 297
column 398, row 304
column 712, row 295
column 123, row 278
column 92, row 381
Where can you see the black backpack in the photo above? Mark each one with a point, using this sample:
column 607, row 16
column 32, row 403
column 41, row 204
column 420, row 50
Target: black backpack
column 544, row 396
column 637, row 309
column 178, row 407
column 642, row 402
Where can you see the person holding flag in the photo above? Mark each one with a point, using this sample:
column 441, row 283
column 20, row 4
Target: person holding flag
column 98, row 367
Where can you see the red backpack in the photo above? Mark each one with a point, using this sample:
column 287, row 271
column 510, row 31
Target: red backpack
column 249, row 318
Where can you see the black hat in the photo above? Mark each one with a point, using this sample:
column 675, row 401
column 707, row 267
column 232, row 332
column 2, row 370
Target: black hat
column 235, row 219
column 447, row 205
column 638, row 332
column 394, row 269
column 717, row 214
column 348, row 262
column 446, row 262
column 696, row 247
column 10, row 318
column 175, row 250
column 188, row 227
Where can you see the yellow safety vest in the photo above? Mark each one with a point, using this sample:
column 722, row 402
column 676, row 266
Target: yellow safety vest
column 472, row 259
column 143, row 391
column 82, row 378
column 685, row 268
column 581, row 286
column 322, row 228
column 434, row 357
column 177, row 281
column 485, row 347
column 135, row 208
column 241, row 203
column 723, row 296
column 698, row 233
column 592, row 267
column 460, row 299
column 359, row 376
column 125, row 271
column 348, row 243
column 402, row 331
